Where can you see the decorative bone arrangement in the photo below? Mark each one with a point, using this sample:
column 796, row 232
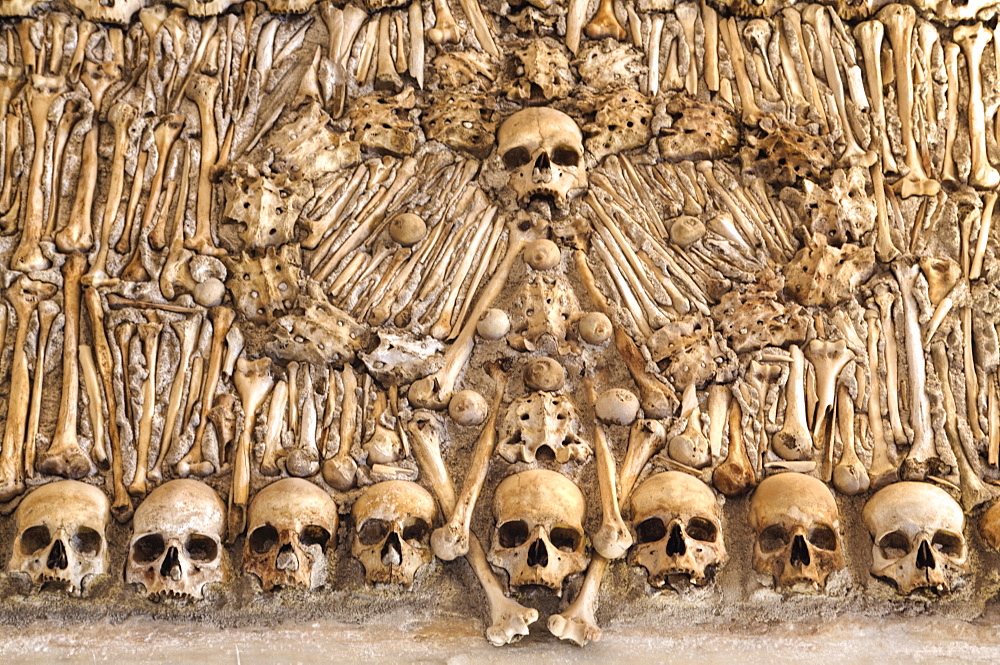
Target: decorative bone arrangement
column 559, row 290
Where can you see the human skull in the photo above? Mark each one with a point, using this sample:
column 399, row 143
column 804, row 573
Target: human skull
column 678, row 526
column 539, row 538
column 542, row 421
column 797, row 527
column 291, row 522
column 109, row 11
column 289, row 6
column 918, row 531
column 18, row 7
column 542, row 149
column 392, row 522
column 61, row 535
column 176, row 547
column 202, row 8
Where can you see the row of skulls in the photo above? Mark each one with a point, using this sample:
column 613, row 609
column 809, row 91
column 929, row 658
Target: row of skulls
column 178, row 532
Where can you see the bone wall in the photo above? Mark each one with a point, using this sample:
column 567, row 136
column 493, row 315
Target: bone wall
column 560, row 316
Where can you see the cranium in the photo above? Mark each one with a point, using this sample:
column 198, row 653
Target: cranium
column 176, row 548
column 678, row 525
column 919, row 537
column 201, row 8
column 539, row 537
column 109, row 11
column 18, row 7
column 797, row 527
column 289, row 6
column 542, row 149
column 291, row 522
column 61, row 535
column 540, row 421
column 957, row 10
column 392, row 522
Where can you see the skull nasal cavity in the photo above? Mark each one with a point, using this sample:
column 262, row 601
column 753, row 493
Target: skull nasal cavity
column 538, row 554
column 171, row 566
column 675, row 544
column 57, row 557
column 287, row 560
column 925, row 559
column 542, row 163
column 392, row 553
column 800, row 552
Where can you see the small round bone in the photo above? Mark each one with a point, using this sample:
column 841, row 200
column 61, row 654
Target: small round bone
column 209, row 293
column 407, row 229
column 544, row 374
column 595, row 328
column 542, row 254
column 686, row 230
column 494, row 325
column 617, row 406
column 468, row 408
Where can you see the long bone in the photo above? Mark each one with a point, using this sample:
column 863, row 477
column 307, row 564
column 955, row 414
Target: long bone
column 42, row 92
column 718, row 407
column 973, row 40
column 971, row 380
column 121, row 505
column 194, row 461
column 758, row 32
column 187, row 332
column 84, row 31
column 47, row 312
column 818, row 17
column 881, row 471
column 78, row 234
column 443, row 326
column 164, row 135
column 124, row 332
column 751, row 113
column 67, row 122
column 760, row 376
column 613, row 538
column 922, row 455
column 121, row 116
column 691, row 447
column 12, row 144
column 386, row 77
column 341, row 470
column 65, row 457
column 687, row 15
column 416, row 51
column 949, row 169
column 24, row 296
column 149, row 333
column 900, row 19
column 57, row 40
column 794, row 441
column 132, row 207
column 175, row 275
column 605, row 25
column 303, row 460
column 253, row 380
column 445, row 30
column 849, row 476
column 989, row 205
column 577, row 623
column 735, row 476
column 885, row 301
column 828, row 359
column 974, row 491
column 275, row 425
column 509, row 619
column 870, row 35
column 793, row 22
column 203, row 91
column 94, row 404
column 652, row 53
column 451, row 540
column 435, row 391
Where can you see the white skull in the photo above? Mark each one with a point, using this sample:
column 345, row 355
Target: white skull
column 797, row 527
column 176, row 547
column 678, row 526
column 61, row 535
column 291, row 522
column 918, row 531
column 392, row 522
column 958, row 10
column 201, row 8
column 539, row 537
column 542, row 149
column 109, row 11
column 542, row 422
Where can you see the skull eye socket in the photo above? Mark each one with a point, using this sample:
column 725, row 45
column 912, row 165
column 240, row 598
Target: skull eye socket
column 87, row 541
column 701, row 529
column 516, row 157
column 565, row 538
column 894, row 545
column 34, row 539
column 314, row 535
column 416, row 531
column 513, row 534
column 263, row 539
column 148, row 548
column 201, row 548
column 651, row 530
column 565, row 155
column 773, row 538
column 373, row 531
column 823, row 537
column 947, row 543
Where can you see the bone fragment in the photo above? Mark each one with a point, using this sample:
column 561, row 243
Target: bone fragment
column 186, row 331
column 124, row 333
column 735, row 476
column 881, row 471
column 870, row 35
column 849, row 476
column 253, row 380
column 341, row 470
column 605, row 25
column 149, row 333
column 47, row 312
column 95, row 406
column 275, row 425
column 922, row 456
column 885, row 300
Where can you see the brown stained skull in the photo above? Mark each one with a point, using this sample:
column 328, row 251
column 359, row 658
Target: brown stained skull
column 291, row 522
column 542, row 150
column 544, row 423
column 545, row 308
column 678, row 526
column 539, row 538
column 393, row 522
column 61, row 535
column 176, row 547
column 797, row 531
column 918, row 531
column 266, row 286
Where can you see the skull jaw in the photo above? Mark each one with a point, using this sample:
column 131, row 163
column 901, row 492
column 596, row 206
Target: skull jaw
column 190, row 584
column 798, row 577
column 523, row 576
column 697, row 566
column 309, row 573
column 945, row 577
column 403, row 573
